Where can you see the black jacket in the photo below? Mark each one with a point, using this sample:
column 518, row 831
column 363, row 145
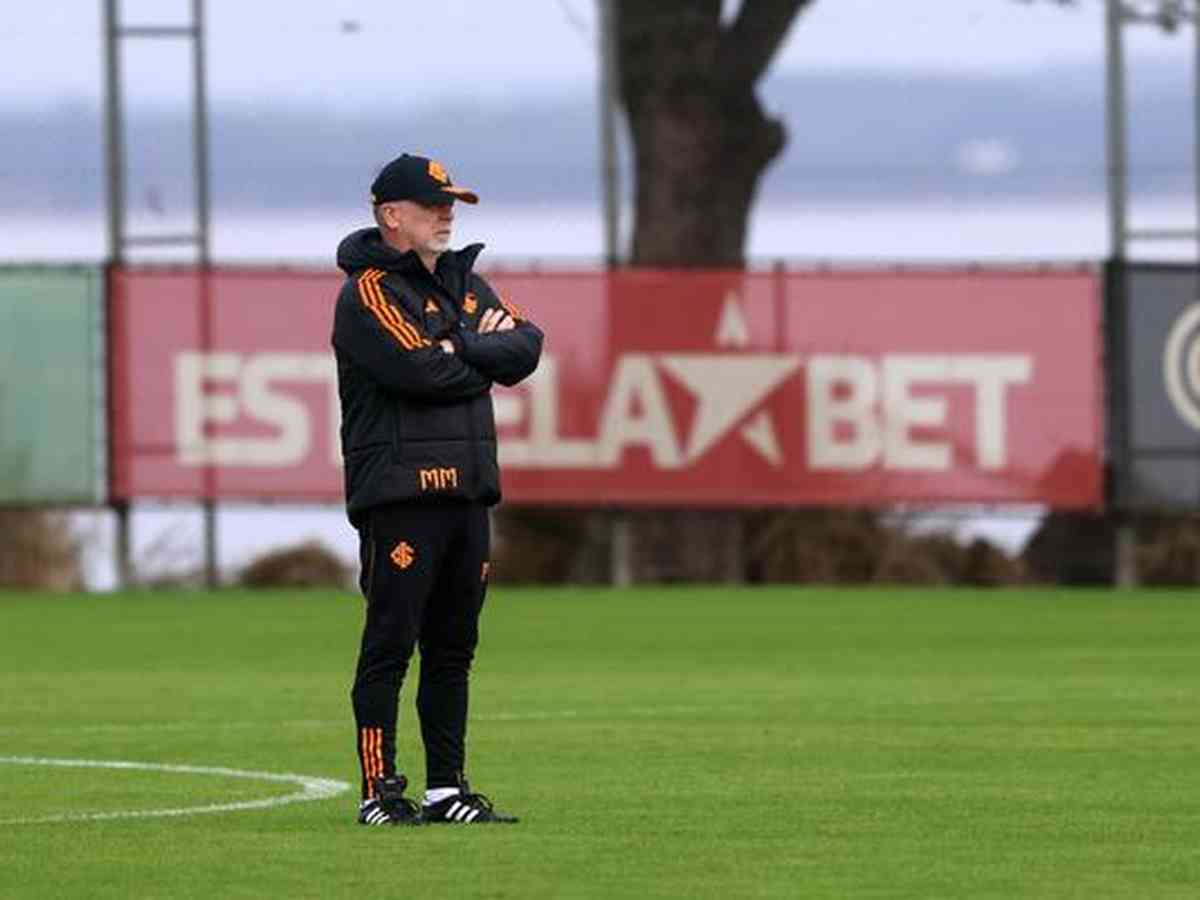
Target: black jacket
column 417, row 422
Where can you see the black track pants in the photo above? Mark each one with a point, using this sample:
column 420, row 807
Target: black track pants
column 424, row 574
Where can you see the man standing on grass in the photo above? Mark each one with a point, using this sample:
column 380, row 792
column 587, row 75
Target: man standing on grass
column 420, row 339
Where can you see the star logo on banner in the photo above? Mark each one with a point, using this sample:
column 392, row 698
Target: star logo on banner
column 728, row 386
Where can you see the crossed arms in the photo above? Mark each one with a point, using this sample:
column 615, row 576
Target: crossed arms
column 504, row 346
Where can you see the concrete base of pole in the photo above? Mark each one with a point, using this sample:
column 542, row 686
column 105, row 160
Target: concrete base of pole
column 621, row 572
column 212, row 572
column 1126, row 570
column 124, row 547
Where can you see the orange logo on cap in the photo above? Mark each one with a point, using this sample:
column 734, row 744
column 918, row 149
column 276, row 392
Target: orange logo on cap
column 437, row 173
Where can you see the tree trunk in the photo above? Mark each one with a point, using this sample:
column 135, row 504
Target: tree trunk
column 701, row 138
column 701, row 143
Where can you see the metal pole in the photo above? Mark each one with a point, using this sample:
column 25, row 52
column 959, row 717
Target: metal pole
column 609, row 173
column 114, row 151
column 200, row 134
column 114, row 139
column 621, row 524
column 1196, row 117
column 1125, row 537
column 203, row 259
column 1115, row 121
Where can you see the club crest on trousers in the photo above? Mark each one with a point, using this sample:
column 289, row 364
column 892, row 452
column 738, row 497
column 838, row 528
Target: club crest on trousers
column 403, row 555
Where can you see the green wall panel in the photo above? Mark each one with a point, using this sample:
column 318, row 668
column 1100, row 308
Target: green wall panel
column 51, row 385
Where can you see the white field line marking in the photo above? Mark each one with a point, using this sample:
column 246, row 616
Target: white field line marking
column 311, row 788
column 527, row 716
column 122, row 727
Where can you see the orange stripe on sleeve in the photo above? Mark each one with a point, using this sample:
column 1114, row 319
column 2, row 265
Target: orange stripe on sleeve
column 388, row 316
column 406, row 327
column 396, row 316
column 373, row 301
column 417, row 336
column 368, row 289
column 512, row 309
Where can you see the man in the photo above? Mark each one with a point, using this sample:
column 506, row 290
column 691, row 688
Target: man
column 420, row 339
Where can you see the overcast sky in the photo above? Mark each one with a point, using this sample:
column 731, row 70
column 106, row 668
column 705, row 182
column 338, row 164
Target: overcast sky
column 349, row 51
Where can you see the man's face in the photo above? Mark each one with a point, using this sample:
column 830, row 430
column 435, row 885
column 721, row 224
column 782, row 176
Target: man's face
column 425, row 227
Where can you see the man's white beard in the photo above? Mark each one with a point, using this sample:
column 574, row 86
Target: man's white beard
column 439, row 244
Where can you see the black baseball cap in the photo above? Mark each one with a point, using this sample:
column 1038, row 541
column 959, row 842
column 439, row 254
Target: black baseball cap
column 419, row 179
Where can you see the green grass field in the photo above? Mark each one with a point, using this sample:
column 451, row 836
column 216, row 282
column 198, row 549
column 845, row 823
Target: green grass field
column 657, row 743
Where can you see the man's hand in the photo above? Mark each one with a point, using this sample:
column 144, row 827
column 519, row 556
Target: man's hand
column 495, row 319
column 446, row 346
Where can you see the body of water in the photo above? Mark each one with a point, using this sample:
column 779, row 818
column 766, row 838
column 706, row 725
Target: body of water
column 933, row 231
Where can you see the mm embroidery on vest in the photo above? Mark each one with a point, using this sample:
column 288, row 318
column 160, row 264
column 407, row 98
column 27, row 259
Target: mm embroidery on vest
column 439, row 479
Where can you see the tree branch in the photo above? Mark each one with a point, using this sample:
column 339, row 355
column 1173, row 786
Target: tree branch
column 751, row 42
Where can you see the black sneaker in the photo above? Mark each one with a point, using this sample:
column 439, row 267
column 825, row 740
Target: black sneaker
column 389, row 806
column 465, row 808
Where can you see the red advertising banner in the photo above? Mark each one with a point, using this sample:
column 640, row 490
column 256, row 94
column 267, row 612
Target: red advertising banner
column 664, row 388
